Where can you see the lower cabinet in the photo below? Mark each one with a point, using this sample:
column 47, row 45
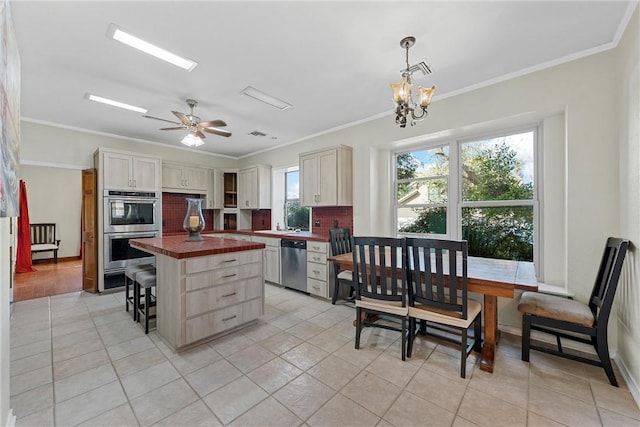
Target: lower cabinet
column 317, row 272
column 271, row 258
column 205, row 296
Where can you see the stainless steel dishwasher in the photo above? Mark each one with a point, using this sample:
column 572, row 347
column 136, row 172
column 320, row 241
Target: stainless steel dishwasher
column 293, row 255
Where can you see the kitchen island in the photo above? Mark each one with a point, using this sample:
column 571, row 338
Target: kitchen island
column 206, row 288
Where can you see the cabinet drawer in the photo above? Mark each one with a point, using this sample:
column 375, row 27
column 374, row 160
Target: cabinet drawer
column 317, row 287
column 196, row 265
column 317, row 247
column 252, row 309
column 317, row 271
column 318, row 257
column 222, row 275
column 209, row 324
column 216, row 297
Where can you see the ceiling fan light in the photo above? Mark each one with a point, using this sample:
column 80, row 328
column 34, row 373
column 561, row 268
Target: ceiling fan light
column 191, row 140
column 401, row 91
column 113, row 103
column 151, row 49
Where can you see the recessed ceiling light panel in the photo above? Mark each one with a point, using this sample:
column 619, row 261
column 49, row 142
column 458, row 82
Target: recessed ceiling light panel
column 113, row 103
column 122, row 36
column 267, row 99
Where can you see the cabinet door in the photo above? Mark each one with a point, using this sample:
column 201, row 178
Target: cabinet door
column 117, row 171
column 172, row 176
column 272, row 264
column 248, row 188
column 308, row 180
column 327, row 178
column 196, row 178
column 146, row 174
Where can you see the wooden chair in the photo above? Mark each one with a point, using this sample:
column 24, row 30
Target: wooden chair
column 340, row 240
column 43, row 239
column 439, row 295
column 381, row 287
column 543, row 311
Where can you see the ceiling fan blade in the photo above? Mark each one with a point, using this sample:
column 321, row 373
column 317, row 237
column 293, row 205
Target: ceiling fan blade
column 200, row 134
column 162, row 120
column 220, row 132
column 176, row 128
column 212, row 124
column 184, row 119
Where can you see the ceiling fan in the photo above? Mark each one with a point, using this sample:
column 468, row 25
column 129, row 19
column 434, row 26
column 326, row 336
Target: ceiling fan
column 193, row 124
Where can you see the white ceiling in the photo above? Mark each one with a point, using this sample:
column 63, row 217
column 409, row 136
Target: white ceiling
column 332, row 60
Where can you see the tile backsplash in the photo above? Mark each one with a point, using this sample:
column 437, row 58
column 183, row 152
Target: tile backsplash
column 174, row 208
column 329, row 216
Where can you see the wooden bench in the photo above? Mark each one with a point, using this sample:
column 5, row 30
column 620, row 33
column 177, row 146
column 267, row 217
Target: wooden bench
column 43, row 239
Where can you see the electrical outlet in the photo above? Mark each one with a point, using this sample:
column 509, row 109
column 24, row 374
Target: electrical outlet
column 317, row 223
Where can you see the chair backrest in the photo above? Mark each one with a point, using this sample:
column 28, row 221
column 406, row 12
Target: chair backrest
column 340, row 239
column 379, row 268
column 606, row 283
column 43, row 233
column 437, row 274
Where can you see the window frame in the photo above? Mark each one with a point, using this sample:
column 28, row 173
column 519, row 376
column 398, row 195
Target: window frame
column 455, row 204
column 287, row 199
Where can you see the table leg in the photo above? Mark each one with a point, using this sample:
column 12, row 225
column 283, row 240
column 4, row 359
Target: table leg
column 490, row 332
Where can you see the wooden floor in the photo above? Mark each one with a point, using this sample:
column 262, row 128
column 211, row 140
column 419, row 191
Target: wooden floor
column 48, row 279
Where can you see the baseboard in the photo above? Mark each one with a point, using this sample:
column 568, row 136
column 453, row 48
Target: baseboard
column 51, row 261
column 11, row 419
column 631, row 383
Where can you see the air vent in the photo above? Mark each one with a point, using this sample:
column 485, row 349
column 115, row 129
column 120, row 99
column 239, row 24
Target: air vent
column 257, row 133
column 421, row 66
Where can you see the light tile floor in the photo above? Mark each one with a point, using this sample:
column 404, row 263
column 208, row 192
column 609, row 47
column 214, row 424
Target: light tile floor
column 78, row 359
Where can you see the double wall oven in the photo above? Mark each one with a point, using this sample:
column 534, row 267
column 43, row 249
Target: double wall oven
column 128, row 215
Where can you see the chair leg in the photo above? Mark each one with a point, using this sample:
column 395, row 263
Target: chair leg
column 55, row 256
column 411, row 332
column 477, row 333
column 358, row 326
column 404, row 337
column 463, row 355
column 126, row 293
column 147, row 309
column 336, row 288
column 136, row 301
column 526, row 336
column 603, row 354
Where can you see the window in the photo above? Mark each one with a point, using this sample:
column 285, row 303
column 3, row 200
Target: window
column 295, row 215
column 489, row 198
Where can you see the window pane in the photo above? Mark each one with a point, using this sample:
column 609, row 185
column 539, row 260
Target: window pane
column 420, row 164
column 292, row 185
column 422, row 220
column 500, row 232
column 498, row 168
column 424, row 192
column 297, row 216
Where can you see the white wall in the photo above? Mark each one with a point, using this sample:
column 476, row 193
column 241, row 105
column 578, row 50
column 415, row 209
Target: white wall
column 628, row 294
column 5, row 239
column 55, row 195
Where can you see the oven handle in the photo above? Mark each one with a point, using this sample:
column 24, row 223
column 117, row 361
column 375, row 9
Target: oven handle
column 132, row 235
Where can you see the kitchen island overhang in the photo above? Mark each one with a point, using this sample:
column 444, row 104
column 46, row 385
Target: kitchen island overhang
column 205, row 289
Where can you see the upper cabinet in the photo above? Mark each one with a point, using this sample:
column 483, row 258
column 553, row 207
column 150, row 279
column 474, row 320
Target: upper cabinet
column 177, row 178
column 254, row 187
column 326, row 177
column 124, row 171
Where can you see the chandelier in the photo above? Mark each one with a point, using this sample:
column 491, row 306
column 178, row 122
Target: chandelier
column 192, row 140
column 406, row 107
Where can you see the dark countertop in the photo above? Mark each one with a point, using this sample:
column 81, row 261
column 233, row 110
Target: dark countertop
column 178, row 247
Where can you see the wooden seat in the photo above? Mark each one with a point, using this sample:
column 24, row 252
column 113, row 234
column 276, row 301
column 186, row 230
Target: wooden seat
column 439, row 295
column 340, row 240
column 146, row 280
column 381, row 287
column 43, row 239
column 540, row 312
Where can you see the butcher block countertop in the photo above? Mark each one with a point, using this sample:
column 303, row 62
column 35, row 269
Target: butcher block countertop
column 178, row 247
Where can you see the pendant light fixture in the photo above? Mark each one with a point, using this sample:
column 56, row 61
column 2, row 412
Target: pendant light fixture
column 402, row 97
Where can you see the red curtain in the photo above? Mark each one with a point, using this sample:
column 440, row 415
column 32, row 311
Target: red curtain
column 23, row 257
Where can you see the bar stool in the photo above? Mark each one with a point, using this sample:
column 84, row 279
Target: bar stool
column 145, row 280
column 129, row 279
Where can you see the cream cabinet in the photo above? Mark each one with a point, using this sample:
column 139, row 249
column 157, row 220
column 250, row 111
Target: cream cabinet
column 326, row 177
column 213, row 195
column 271, row 259
column 254, row 187
column 317, row 271
column 205, row 296
column 184, row 178
column 123, row 171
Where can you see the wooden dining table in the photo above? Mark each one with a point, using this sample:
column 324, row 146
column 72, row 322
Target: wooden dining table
column 491, row 277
